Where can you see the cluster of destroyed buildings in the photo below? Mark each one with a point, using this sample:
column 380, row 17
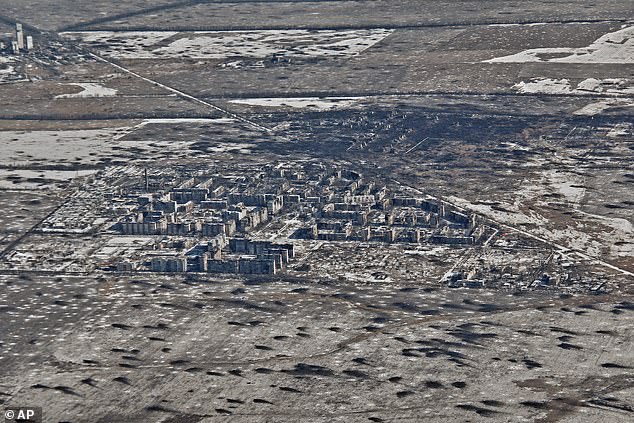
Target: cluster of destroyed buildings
column 335, row 204
column 243, row 219
column 398, row 219
column 353, row 209
column 224, row 255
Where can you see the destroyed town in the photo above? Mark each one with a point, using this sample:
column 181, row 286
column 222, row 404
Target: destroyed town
column 316, row 211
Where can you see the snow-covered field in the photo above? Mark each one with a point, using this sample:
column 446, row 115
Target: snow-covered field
column 34, row 179
column 311, row 103
column 90, row 89
column 224, row 147
column 596, row 235
column 615, row 87
column 602, row 105
column 23, row 147
column 137, row 42
column 90, row 146
column 226, row 44
column 174, row 121
column 78, row 146
column 512, row 217
column 613, row 47
column 612, row 86
column 544, row 86
column 185, row 120
column 566, row 184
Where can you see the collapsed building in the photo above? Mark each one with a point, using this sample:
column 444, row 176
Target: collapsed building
column 336, row 204
column 233, row 255
column 360, row 211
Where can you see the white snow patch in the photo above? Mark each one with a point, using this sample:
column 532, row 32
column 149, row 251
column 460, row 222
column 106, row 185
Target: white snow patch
column 187, row 120
column 174, row 121
column 612, row 86
column 90, row 90
column 34, row 175
column 613, row 47
column 85, row 146
column 573, row 239
column 619, row 237
column 224, row 147
column 620, row 130
column 226, row 44
column 118, row 40
column 315, row 103
column 511, row 217
column 544, row 86
column 566, row 184
column 600, row 106
column 20, row 147
column 616, row 87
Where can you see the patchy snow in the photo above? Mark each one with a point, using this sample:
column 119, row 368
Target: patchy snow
column 314, row 103
column 34, row 179
column 434, row 251
column 569, row 186
column 186, row 120
column 616, row 87
column 511, row 217
column 122, row 246
column 90, row 90
column 6, row 70
column 613, row 47
column 594, row 108
column 20, row 147
column 121, row 40
column 619, row 234
column 600, row 106
column 227, row 44
column 620, row 130
column 223, row 147
column 591, row 86
column 58, row 175
column 505, row 25
column 593, row 234
column 573, row 239
column 174, row 121
column 65, row 230
column 239, row 64
column 566, row 184
column 544, row 86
